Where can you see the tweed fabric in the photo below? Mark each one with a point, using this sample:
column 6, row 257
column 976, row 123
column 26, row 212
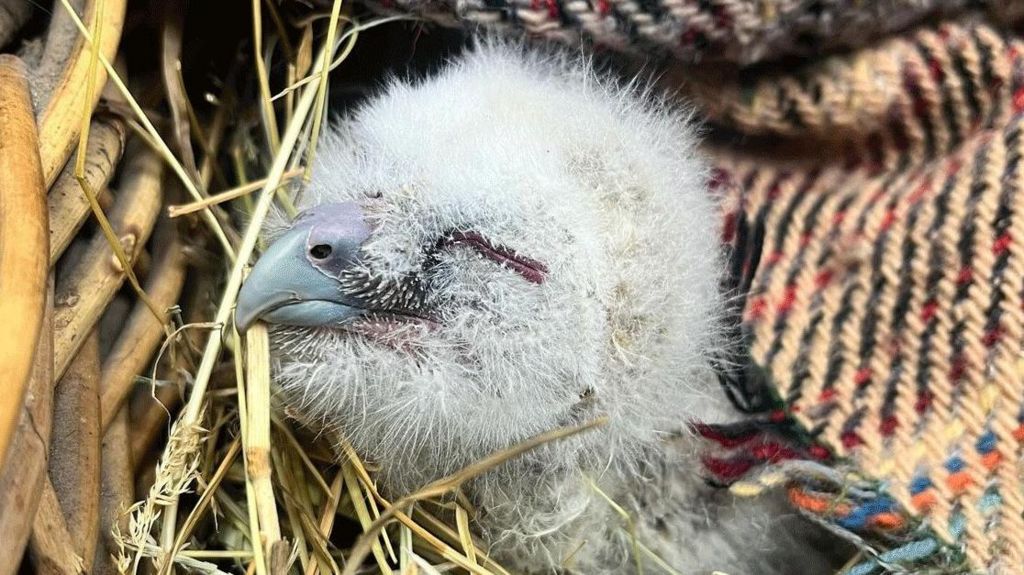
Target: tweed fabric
column 874, row 197
column 742, row 31
column 887, row 303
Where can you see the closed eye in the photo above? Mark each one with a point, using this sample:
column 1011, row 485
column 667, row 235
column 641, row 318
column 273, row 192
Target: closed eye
column 531, row 270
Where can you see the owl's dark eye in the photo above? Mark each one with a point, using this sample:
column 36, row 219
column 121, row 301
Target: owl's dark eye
column 320, row 251
column 531, row 270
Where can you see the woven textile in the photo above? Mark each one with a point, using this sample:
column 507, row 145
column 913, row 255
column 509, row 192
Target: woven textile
column 875, row 199
column 742, row 31
column 887, row 302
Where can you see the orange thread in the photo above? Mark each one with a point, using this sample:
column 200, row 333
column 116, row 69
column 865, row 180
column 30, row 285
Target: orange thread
column 991, row 460
column 817, row 504
column 887, row 521
column 925, row 500
column 959, row 481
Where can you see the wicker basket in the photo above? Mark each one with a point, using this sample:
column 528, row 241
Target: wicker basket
column 99, row 355
column 66, row 452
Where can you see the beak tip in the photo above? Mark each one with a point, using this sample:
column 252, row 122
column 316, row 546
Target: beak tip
column 242, row 324
column 245, row 314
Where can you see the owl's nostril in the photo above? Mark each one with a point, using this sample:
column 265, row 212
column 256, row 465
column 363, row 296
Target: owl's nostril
column 320, row 251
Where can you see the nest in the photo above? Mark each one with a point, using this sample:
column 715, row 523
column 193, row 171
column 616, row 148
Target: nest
column 138, row 432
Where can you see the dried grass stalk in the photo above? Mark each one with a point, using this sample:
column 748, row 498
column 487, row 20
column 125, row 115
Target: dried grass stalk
column 211, row 352
column 355, row 494
column 150, row 414
column 75, row 449
column 23, row 242
column 85, row 290
column 21, row 484
column 177, row 99
column 256, row 438
column 226, row 195
column 59, row 124
column 269, row 116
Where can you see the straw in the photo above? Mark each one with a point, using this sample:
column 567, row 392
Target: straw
column 157, row 141
column 193, row 408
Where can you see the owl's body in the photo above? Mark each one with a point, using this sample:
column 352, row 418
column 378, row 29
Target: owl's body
column 533, row 248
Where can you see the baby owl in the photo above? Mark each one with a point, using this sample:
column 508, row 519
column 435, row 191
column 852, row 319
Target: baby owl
column 514, row 245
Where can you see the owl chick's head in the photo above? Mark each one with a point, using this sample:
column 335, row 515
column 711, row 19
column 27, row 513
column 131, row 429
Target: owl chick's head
column 508, row 247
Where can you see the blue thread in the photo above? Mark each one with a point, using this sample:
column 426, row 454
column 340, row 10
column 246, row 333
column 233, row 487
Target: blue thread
column 990, row 502
column 919, row 484
column 910, row 553
column 954, row 464
column 986, row 443
column 858, row 517
column 957, row 522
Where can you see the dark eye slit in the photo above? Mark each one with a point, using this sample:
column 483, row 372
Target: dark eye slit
column 532, row 270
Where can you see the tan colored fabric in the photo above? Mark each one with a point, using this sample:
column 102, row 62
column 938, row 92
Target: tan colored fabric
column 888, row 305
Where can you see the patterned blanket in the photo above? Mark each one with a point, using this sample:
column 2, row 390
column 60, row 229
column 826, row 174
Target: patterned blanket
column 871, row 165
column 886, row 303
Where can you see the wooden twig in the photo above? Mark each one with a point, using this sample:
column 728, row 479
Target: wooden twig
column 75, row 449
column 84, row 291
column 177, row 99
column 116, row 492
column 67, row 206
column 21, row 483
column 23, row 242
column 181, row 108
column 58, row 121
column 140, row 337
column 52, row 549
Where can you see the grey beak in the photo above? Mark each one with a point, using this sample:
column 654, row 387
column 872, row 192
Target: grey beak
column 295, row 282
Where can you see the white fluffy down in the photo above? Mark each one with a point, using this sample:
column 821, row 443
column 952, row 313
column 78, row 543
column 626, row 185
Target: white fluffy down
column 602, row 184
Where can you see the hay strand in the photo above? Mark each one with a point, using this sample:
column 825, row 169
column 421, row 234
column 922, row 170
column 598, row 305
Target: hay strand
column 321, row 92
column 257, row 434
column 225, row 196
